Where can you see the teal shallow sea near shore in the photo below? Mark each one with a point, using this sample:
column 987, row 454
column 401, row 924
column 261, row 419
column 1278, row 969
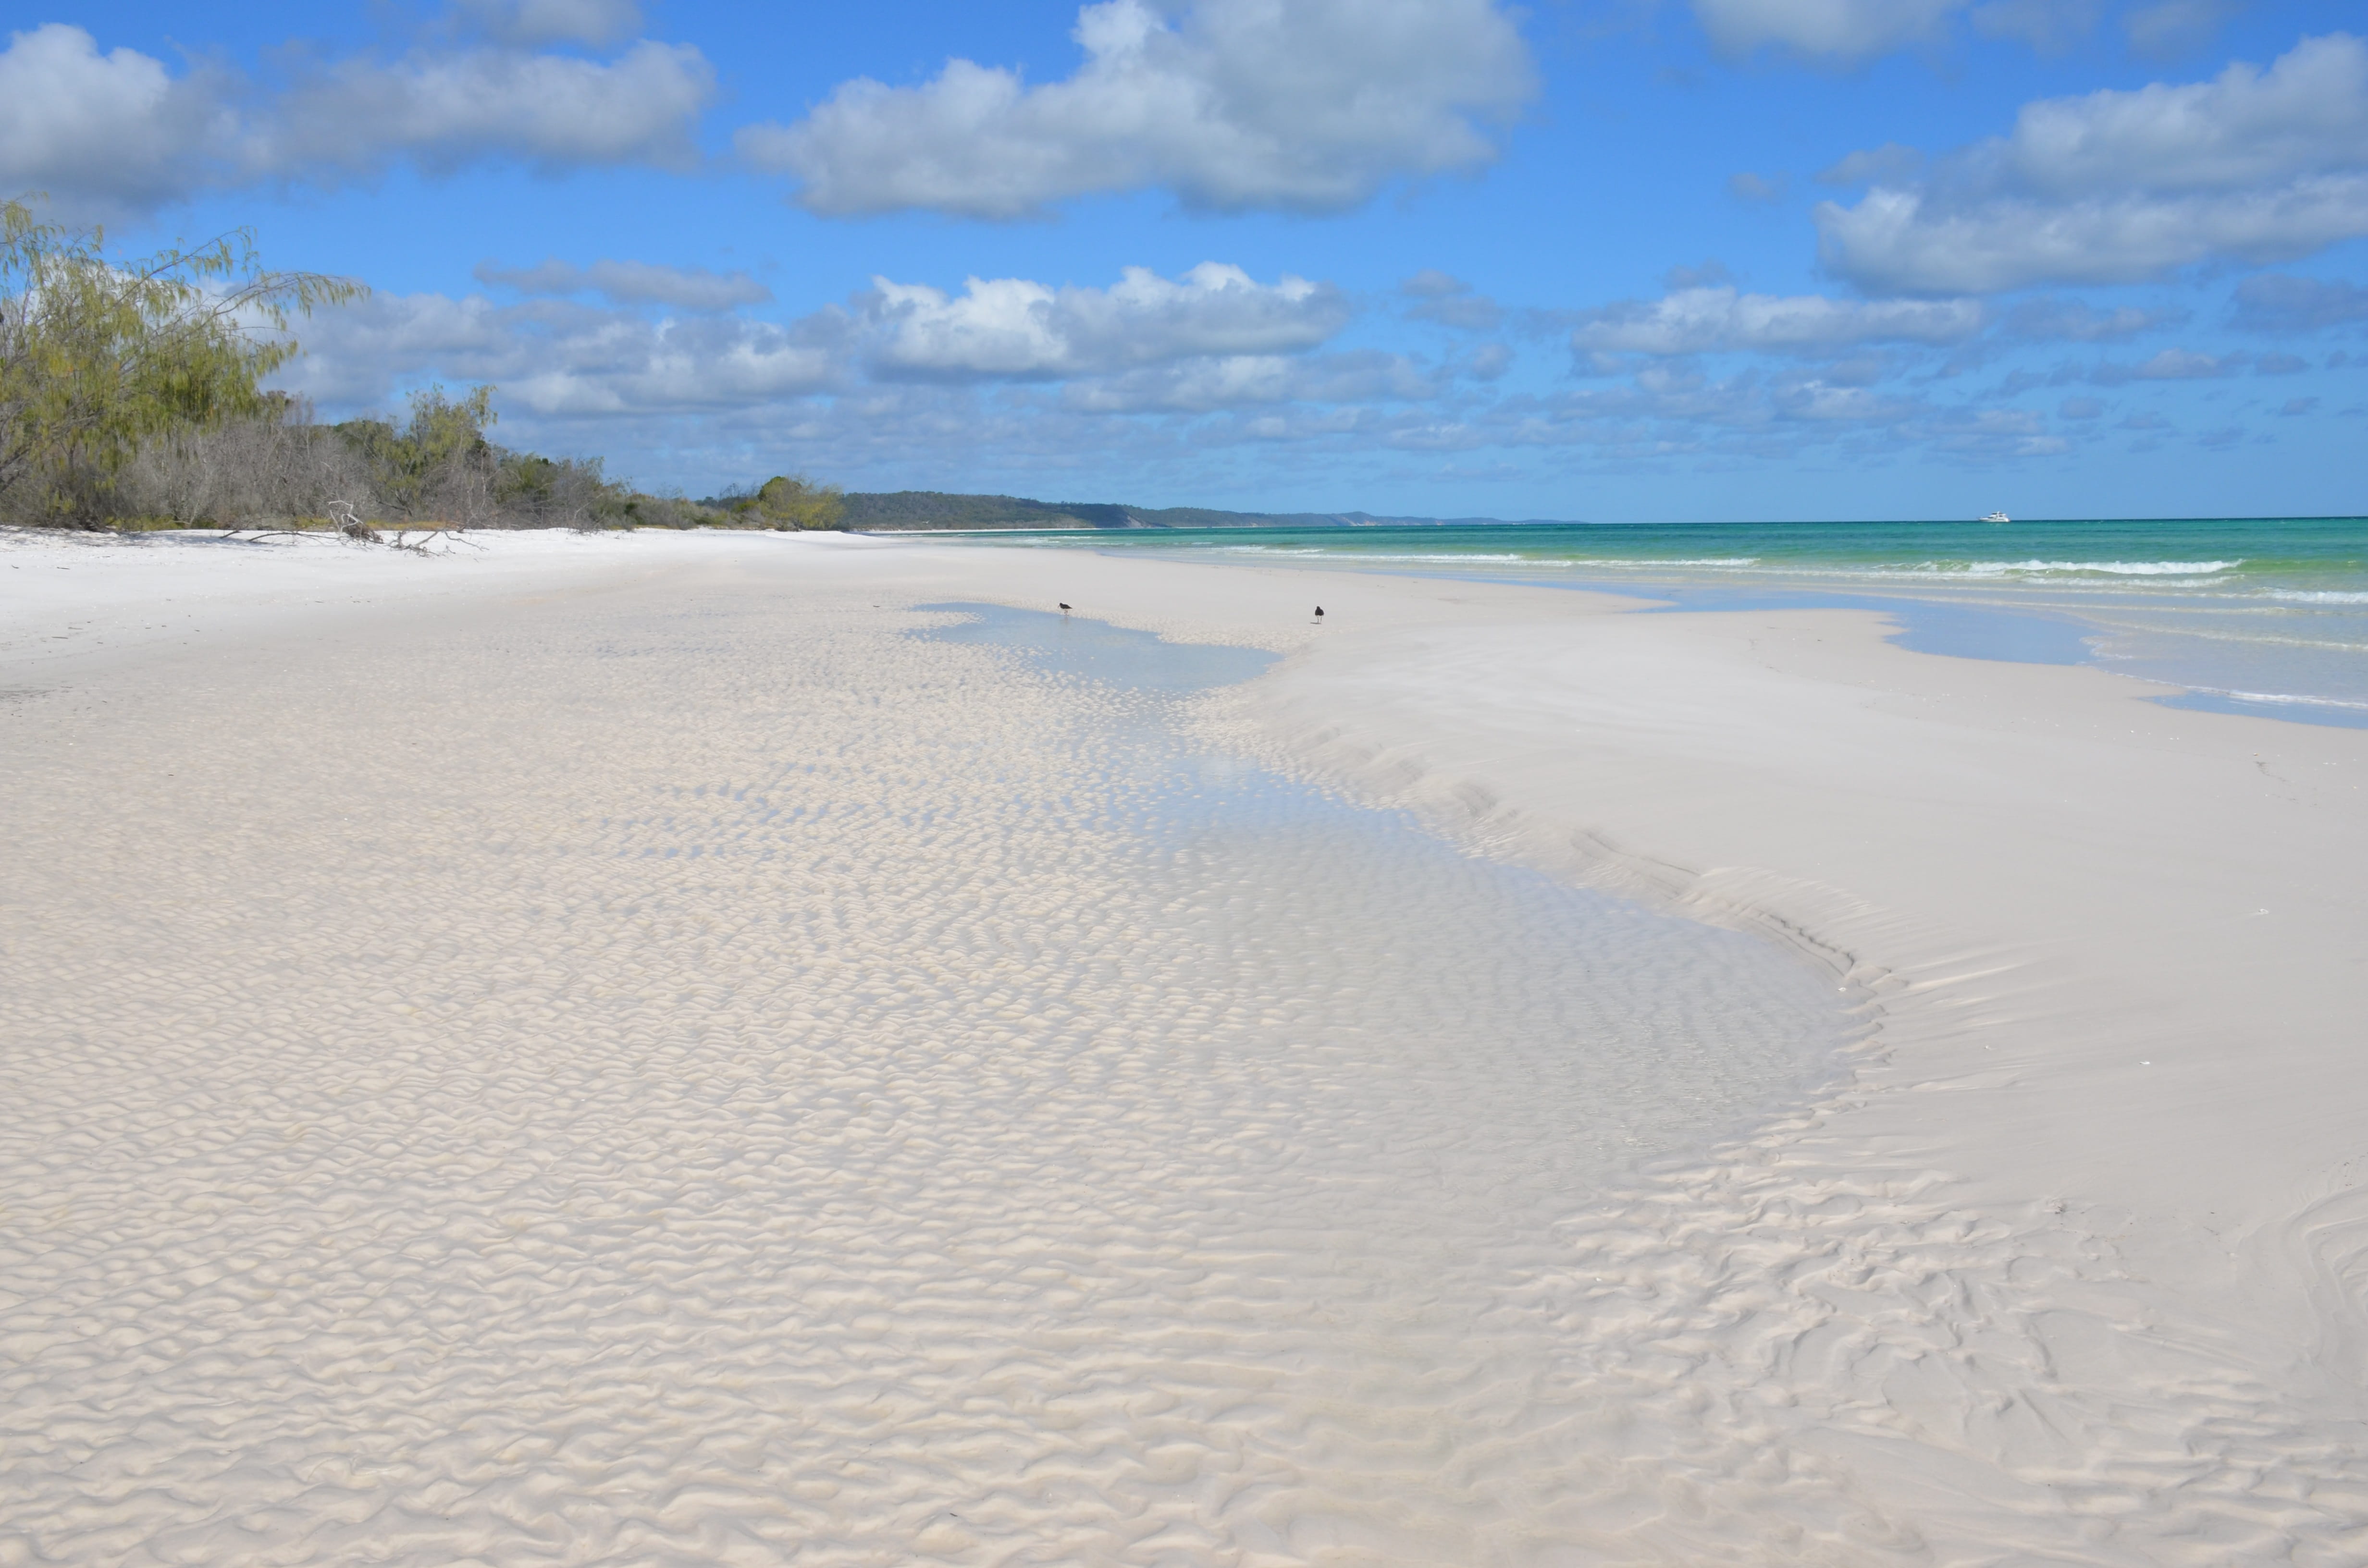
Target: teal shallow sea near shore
column 2256, row 614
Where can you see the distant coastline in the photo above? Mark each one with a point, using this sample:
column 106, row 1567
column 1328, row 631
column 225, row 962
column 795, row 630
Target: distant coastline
column 933, row 511
column 909, row 511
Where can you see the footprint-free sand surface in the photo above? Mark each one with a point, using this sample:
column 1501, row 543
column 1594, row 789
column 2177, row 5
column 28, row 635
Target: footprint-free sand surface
column 722, row 1049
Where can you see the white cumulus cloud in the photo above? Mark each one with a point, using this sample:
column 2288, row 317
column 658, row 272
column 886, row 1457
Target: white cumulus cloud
column 1722, row 321
column 2050, row 26
column 554, row 358
column 2072, row 321
column 103, row 131
column 2277, row 303
column 1449, row 300
column 531, row 22
column 2117, row 187
column 1847, row 31
column 445, row 110
column 116, row 132
column 1202, row 386
column 1844, row 30
column 2171, row 365
column 1210, row 339
column 2168, row 27
column 1305, row 105
column 1015, row 328
column 632, row 283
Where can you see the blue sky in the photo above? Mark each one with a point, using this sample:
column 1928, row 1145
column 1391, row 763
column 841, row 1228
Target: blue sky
column 1716, row 259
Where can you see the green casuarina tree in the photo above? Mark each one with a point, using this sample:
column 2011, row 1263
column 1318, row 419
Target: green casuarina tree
column 559, row 491
column 98, row 356
column 440, row 464
column 788, row 501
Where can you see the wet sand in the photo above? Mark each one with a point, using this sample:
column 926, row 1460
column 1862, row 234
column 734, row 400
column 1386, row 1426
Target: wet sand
column 616, row 1050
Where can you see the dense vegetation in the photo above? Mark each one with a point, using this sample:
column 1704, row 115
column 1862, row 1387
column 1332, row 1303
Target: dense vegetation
column 781, row 501
column 102, row 363
column 131, row 396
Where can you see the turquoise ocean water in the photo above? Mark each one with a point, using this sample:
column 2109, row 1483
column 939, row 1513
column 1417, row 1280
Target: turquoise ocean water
column 2259, row 615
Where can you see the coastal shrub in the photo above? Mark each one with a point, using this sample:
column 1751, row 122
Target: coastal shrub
column 440, row 466
column 278, row 469
column 671, row 511
column 129, row 397
column 785, row 502
column 539, row 492
column 99, row 358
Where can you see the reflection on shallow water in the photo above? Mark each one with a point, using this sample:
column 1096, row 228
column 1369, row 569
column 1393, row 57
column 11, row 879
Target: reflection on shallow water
column 2261, row 616
column 826, row 1094
column 2254, row 654
column 1117, row 656
column 1606, row 1030
column 1960, row 630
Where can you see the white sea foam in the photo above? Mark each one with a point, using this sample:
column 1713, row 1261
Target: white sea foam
column 2280, row 698
column 2209, row 628
column 2184, row 573
column 1687, row 560
column 2099, row 568
column 1350, row 556
column 1354, row 557
column 1457, row 559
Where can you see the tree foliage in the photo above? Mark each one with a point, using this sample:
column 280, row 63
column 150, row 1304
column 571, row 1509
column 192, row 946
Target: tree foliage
column 98, row 357
column 439, row 466
column 786, row 502
column 131, row 395
column 276, row 469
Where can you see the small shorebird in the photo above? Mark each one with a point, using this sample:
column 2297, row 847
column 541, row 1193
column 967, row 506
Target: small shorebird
column 1319, row 612
column 1064, row 608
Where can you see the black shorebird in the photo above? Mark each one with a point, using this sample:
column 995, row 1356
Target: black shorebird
column 1064, row 608
column 1319, row 612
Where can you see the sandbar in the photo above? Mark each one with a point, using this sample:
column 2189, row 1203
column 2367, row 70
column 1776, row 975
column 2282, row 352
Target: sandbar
column 611, row 1048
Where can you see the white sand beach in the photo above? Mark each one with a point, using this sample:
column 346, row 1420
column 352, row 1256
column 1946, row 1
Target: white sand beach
column 613, row 1049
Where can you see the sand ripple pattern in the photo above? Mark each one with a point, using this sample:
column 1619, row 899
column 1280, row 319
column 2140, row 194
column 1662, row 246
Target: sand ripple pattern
column 702, row 1076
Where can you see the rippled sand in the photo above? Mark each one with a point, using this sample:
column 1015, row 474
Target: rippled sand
column 698, row 1072
column 659, row 1050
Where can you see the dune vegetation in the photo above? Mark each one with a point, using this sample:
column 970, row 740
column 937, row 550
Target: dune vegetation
column 132, row 398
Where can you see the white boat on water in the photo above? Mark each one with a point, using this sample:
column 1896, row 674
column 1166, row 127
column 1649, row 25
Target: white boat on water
column 1997, row 517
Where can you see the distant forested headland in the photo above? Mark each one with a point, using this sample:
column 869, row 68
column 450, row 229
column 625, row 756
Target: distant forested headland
column 132, row 398
column 911, row 509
